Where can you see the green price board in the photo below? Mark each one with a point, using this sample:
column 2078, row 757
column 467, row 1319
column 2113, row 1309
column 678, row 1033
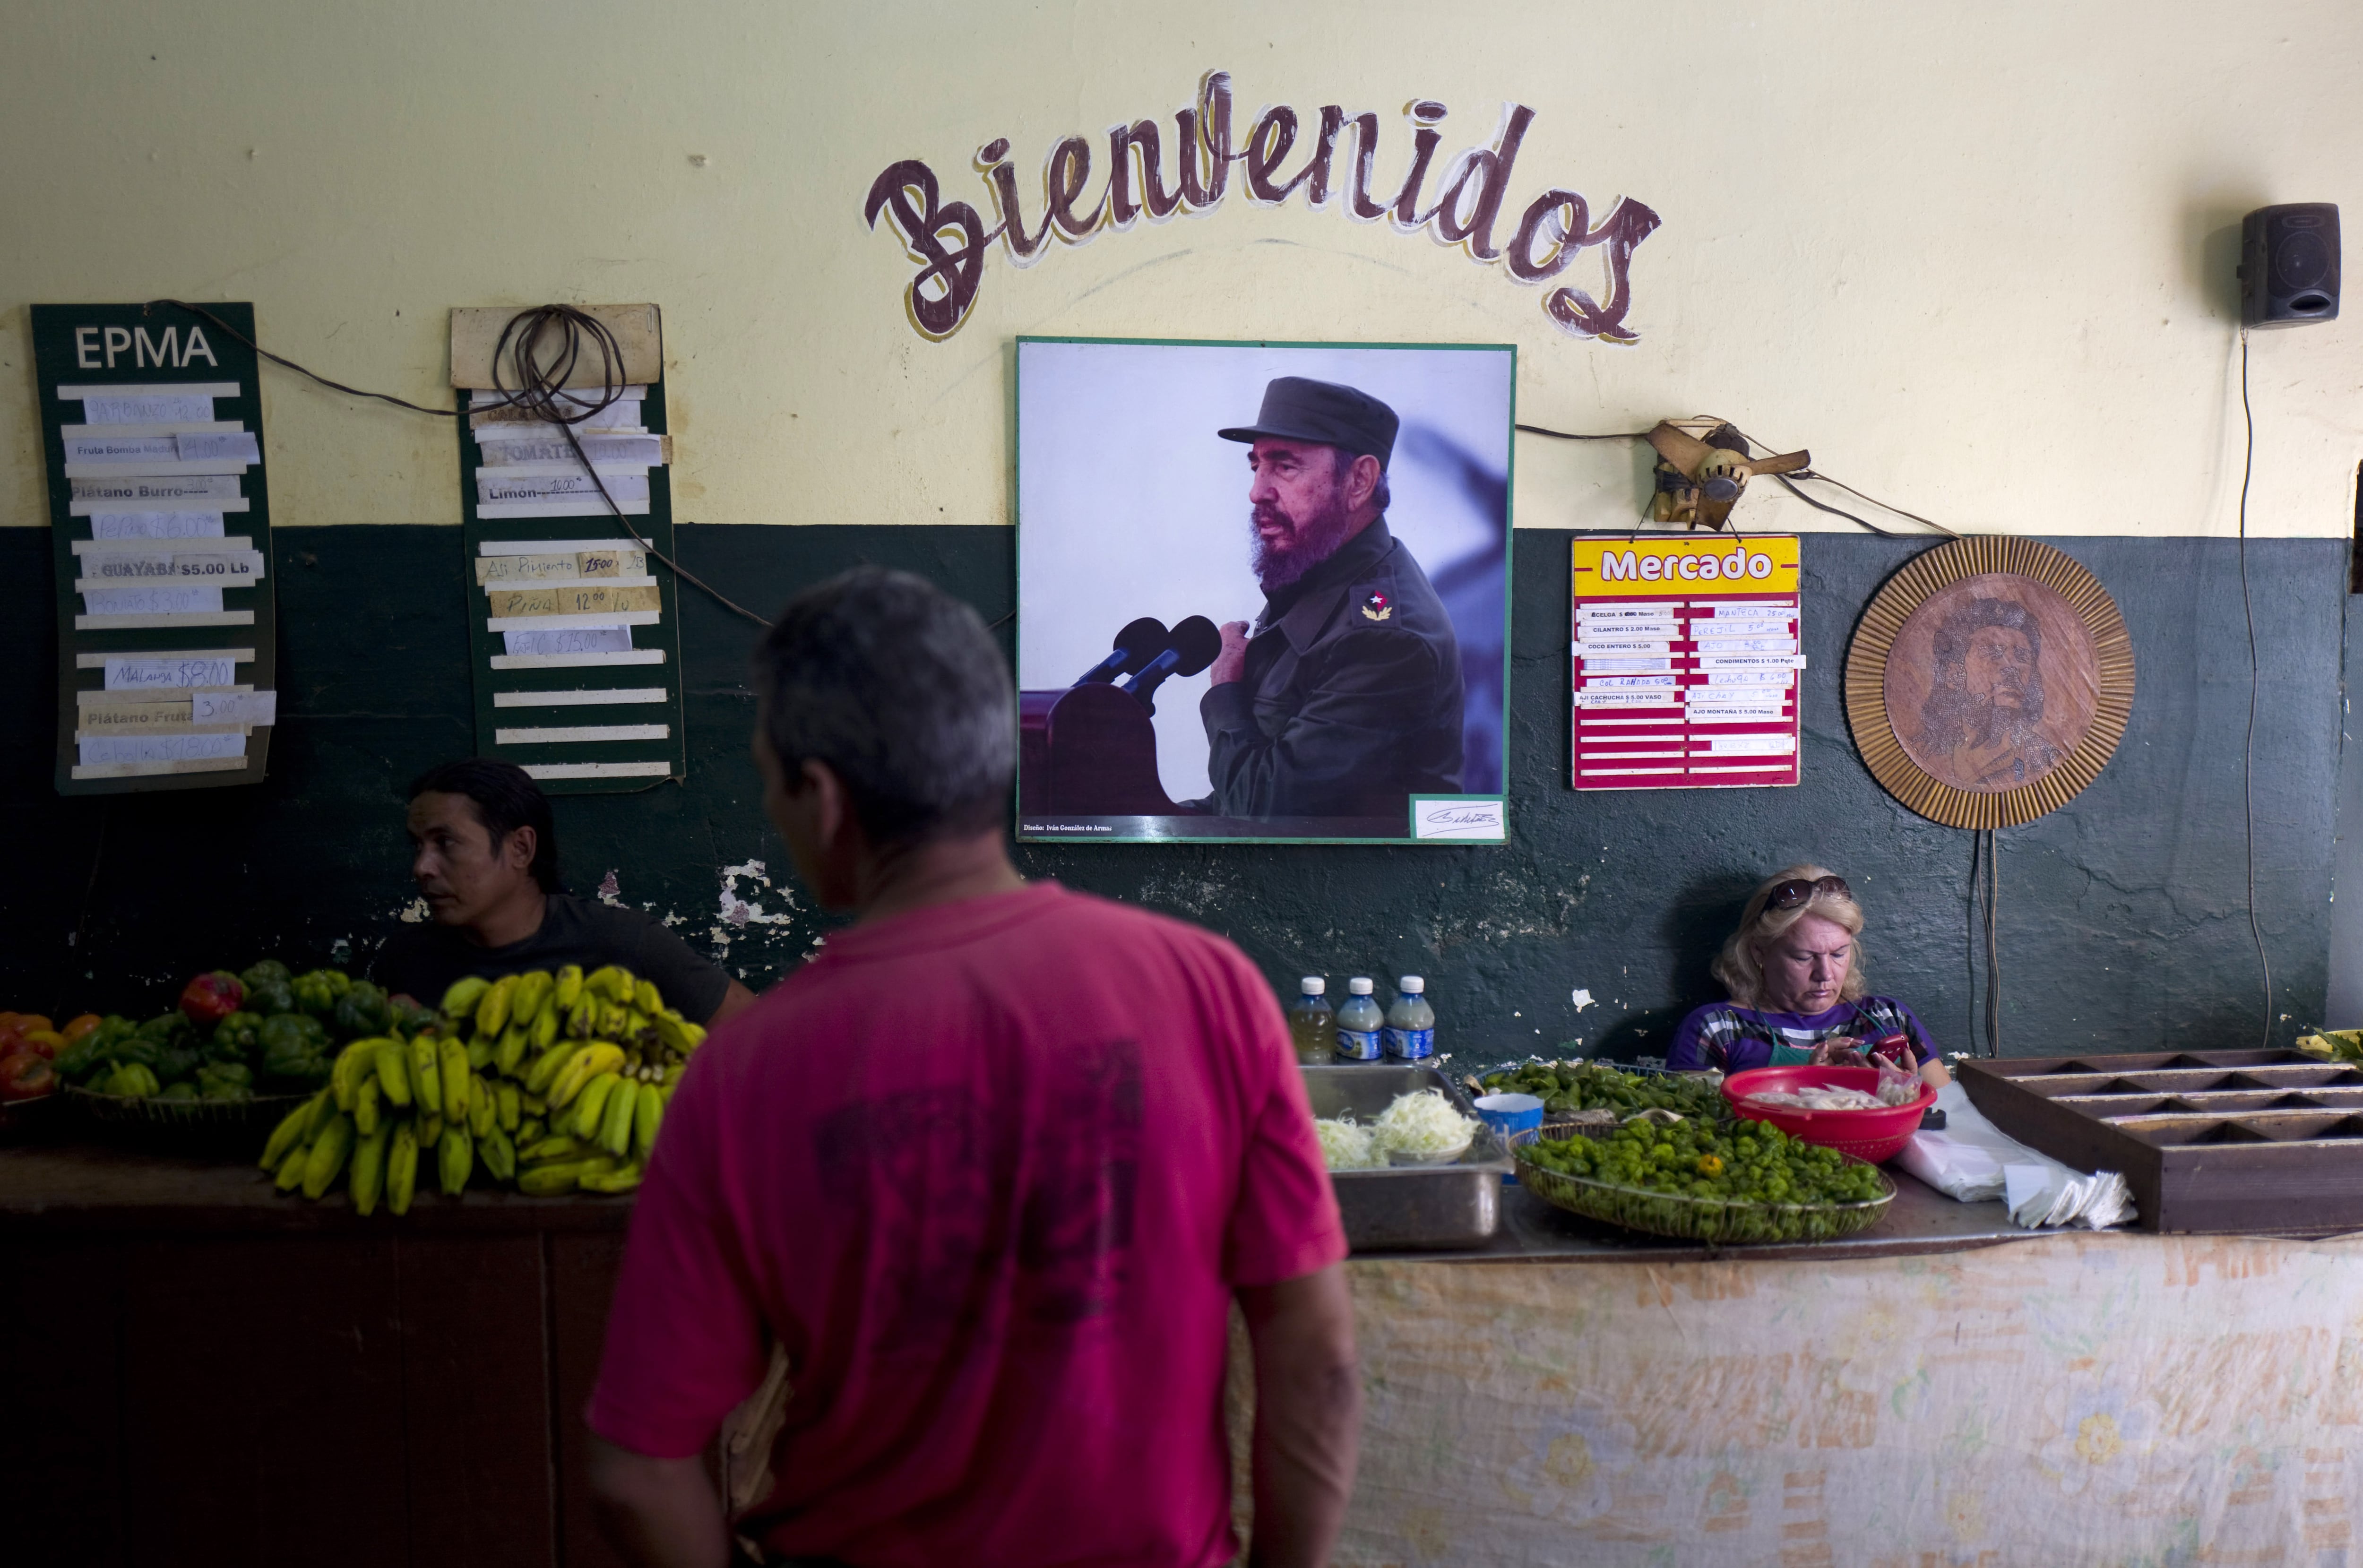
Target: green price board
column 159, row 518
column 572, row 624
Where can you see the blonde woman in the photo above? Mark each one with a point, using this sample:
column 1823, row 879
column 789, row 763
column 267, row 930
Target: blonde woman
column 1794, row 972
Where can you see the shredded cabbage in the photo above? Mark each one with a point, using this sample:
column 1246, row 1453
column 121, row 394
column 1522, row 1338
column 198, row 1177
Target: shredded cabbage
column 1346, row 1145
column 1422, row 1125
column 1819, row 1098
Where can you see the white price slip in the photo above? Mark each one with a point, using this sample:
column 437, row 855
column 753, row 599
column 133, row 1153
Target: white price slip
column 1685, row 658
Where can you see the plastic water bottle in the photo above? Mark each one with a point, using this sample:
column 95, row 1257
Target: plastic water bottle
column 1411, row 1022
column 1311, row 1027
column 1359, row 1023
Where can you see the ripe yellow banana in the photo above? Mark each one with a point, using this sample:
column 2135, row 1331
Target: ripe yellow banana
column 324, row 1111
column 369, row 1170
column 567, row 989
column 543, row 1071
column 593, row 1105
column 497, row 1152
column 546, row 1180
column 539, row 1036
column 623, row 1179
column 504, row 1057
column 455, row 1084
column 533, row 990
column 493, row 1012
column 484, row 1110
column 646, row 998
column 365, row 1106
column 289, row 1132
column 460, row 1000
column 615, row 1122
column 290, row 1169
column 426, row 1075
column 506, row 1106
column 543, row 1151
column 648, row 1115
column 598, row 1056
column 353, row 1064
column 480, row 1051
column 392, row 1060
column 612, row 981
column 455, row 1160
column 401, row 1169
column 431, row 1131
column 582, row 1017
column 327, row 1156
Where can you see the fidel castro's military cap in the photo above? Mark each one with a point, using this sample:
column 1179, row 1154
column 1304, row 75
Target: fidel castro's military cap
column 1298, row 408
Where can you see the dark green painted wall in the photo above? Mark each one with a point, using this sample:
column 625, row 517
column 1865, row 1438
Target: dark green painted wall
column 2124, row 921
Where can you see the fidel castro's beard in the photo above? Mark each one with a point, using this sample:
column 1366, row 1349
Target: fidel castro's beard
column 1314, row 540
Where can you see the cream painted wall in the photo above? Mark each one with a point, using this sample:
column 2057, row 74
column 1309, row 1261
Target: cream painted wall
column 1976, row 257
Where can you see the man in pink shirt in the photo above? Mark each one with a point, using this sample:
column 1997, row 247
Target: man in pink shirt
column 985, row 1174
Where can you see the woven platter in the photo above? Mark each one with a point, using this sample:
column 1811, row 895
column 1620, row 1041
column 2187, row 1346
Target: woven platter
column 2037, row 574
column 1697, row 1219
column 214, row 1125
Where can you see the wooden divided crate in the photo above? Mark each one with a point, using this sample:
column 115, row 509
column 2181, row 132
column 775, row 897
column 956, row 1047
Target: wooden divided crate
column 2209, row 1140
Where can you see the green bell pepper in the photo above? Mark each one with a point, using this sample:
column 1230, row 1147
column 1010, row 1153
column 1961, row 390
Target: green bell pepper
column 297, row 1052
column 235, row 1038
column 360, row 1011
column 270, row 971
column 224, row 1081
column 132, row 1079
column 317, row 992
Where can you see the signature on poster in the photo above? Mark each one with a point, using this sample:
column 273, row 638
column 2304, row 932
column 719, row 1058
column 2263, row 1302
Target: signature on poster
column 948, row 241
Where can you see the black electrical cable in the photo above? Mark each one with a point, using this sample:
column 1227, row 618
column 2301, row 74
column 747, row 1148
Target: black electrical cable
column 1993, row 944
column 540, row 393
column 1573, row 436
column 2248, row 748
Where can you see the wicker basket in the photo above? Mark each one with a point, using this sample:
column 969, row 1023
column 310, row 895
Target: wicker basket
column 1697, row 1219
column 212, row 1127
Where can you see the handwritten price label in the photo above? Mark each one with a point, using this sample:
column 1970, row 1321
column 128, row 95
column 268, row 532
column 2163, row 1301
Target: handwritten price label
column 570, row 601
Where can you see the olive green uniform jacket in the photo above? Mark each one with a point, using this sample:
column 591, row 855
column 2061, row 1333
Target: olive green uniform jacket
column 1351, row 702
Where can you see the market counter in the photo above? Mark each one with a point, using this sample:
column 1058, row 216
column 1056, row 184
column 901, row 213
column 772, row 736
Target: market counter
column 207, row 1372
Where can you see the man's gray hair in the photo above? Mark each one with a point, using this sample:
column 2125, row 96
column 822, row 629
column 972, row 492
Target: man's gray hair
column 900, row 689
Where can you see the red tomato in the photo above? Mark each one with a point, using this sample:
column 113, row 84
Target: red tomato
column 210, row 998
column 26, row 1075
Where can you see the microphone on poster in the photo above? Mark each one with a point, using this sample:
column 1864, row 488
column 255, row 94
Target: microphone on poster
column 1135, row 646
column 1193, row 647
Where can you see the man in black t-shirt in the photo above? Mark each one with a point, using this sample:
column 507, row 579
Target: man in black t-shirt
column 484, row 852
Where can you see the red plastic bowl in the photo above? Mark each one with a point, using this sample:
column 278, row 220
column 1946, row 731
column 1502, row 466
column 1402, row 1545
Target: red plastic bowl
column 1877, row 1135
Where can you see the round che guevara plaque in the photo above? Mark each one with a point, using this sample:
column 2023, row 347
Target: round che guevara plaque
column 1988, row 682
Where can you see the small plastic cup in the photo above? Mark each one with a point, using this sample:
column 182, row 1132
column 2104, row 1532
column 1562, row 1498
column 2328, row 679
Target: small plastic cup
column 1509, row 1115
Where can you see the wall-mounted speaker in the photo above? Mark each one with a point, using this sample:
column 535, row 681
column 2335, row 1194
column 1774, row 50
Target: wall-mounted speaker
column 2289, row 264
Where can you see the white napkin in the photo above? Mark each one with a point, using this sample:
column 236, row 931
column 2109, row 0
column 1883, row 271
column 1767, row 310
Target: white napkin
column 1973, row 1160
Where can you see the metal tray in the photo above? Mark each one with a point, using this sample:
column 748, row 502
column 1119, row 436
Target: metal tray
column 1457, row 1205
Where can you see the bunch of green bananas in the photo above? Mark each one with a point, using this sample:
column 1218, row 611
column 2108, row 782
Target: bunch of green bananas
column 595, row 1055
column 554, row 1081
column 387, row 1099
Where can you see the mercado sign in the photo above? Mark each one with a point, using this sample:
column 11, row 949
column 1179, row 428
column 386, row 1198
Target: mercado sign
column 948, row 241
column 1685, row 663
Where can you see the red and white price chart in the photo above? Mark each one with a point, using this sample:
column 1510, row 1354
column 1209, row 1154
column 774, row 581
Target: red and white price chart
column 1686, row 661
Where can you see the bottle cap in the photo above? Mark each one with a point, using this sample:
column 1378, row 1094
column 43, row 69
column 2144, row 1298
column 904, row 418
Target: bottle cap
column 1313, row 985
column 1360, row 985
column 1411, row 985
